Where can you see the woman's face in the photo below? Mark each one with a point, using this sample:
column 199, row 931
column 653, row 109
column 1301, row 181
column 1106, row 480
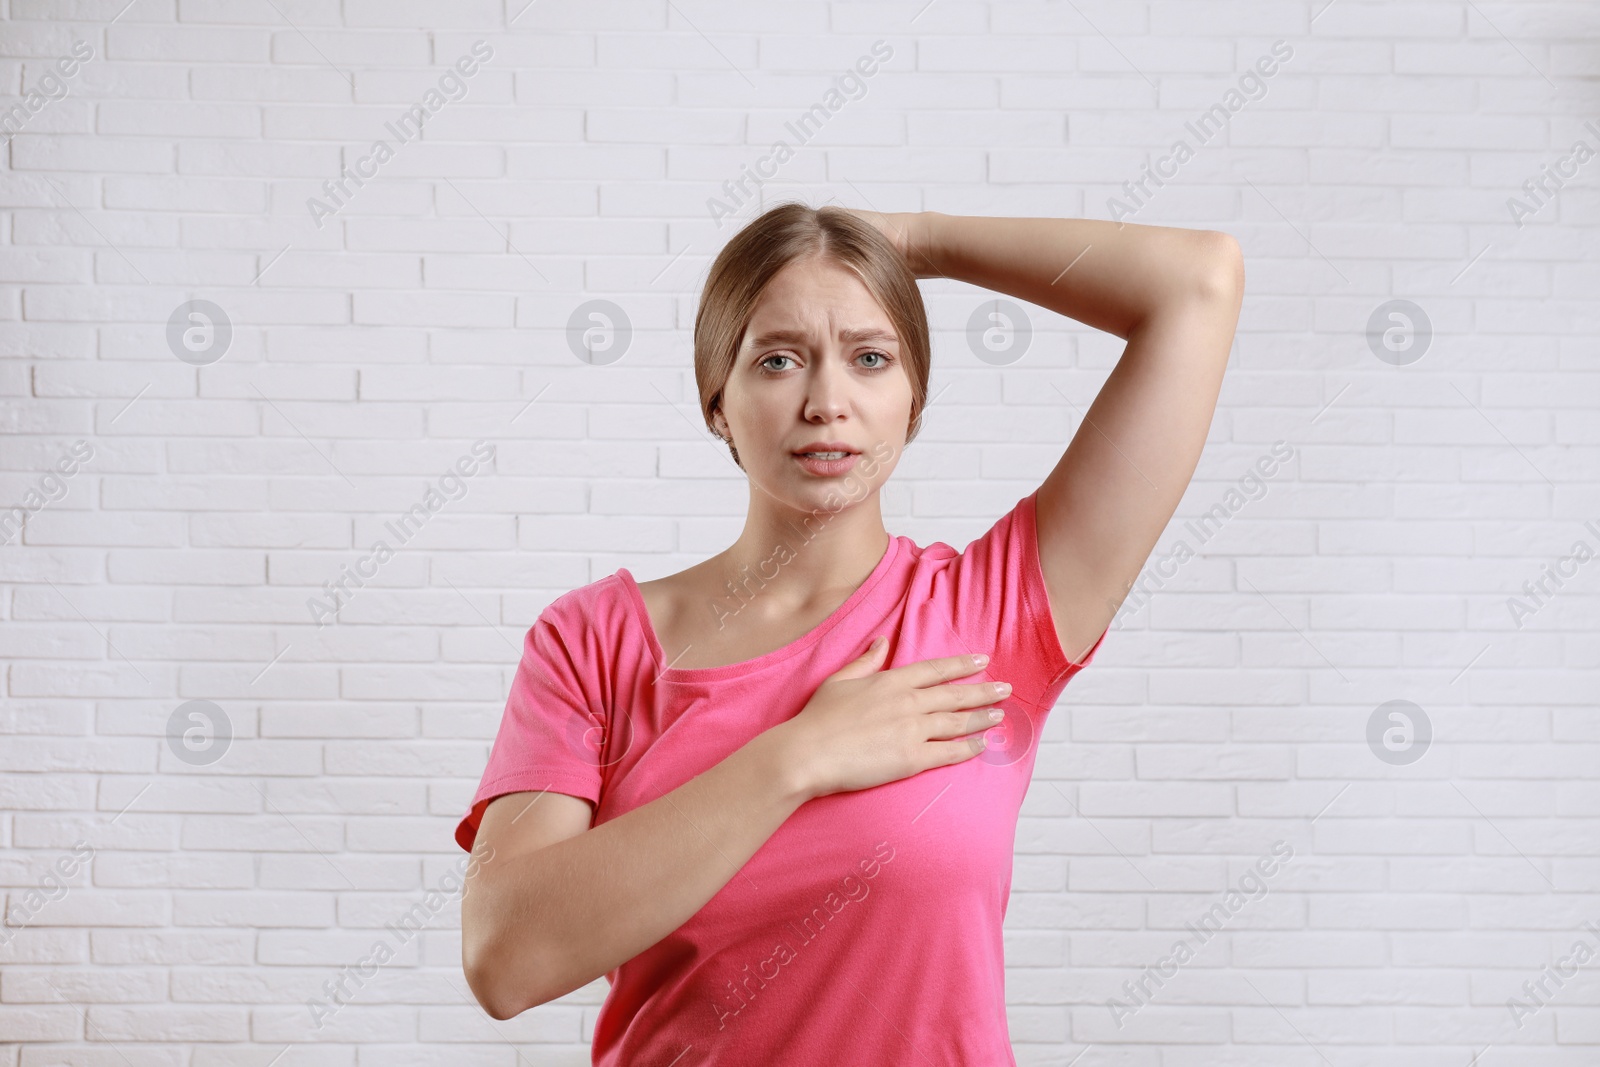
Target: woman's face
column 819, row 362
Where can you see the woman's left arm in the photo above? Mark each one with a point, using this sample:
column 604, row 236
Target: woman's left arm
column 1174, row 296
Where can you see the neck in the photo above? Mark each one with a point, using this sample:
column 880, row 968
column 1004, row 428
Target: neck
column 788, row 559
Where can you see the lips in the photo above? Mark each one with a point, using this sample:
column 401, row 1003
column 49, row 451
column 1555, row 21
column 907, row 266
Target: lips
column 830, row 467
column 827, row 446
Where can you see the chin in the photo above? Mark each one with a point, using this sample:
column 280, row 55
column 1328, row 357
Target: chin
column 807, row 492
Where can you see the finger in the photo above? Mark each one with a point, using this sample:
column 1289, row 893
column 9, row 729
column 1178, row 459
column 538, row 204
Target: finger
column 962, row 748
column 947, row 724
column 866, row 663
column 960, row 696
column 943, row 669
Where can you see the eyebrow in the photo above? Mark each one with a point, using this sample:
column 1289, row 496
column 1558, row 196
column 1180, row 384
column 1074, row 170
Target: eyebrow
column 865, row 333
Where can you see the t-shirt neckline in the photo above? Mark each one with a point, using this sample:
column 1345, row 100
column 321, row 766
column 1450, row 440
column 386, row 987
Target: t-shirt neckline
column 699, row 674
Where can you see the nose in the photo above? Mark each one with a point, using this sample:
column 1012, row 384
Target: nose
column 827, row 389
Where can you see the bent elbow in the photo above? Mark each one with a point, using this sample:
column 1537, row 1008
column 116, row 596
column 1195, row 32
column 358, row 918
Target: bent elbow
column 494, row 1000
column 486, row 977
column 1221, row 274
column 500, row 1013
column 505, row 990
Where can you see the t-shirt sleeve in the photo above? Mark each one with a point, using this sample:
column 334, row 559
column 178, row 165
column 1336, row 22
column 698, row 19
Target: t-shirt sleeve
column 548, row 734
column 1001, row 607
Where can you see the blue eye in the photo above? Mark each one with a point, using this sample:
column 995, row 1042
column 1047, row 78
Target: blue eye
column 885, row 361
column 881, row 367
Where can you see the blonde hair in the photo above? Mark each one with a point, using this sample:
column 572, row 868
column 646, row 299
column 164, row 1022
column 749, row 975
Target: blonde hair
column 770, row 242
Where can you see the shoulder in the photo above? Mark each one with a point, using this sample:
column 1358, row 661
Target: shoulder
column 580, row 640
column 601, row 608
column 664, row 596
column 982, row 535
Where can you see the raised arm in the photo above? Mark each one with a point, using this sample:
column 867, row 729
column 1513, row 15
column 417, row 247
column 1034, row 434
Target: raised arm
column 1174, row 296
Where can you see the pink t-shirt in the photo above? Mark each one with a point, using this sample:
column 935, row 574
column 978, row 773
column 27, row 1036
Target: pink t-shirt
column 867, row 929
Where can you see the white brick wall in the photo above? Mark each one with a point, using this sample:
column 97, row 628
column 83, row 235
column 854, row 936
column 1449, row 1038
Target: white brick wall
column 206, row 904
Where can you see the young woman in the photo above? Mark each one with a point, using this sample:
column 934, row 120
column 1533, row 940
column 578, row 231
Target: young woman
column 781, row 841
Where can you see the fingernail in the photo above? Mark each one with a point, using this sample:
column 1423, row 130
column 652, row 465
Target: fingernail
column 996, row 715
column 980, row 659
column 1002, row 687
